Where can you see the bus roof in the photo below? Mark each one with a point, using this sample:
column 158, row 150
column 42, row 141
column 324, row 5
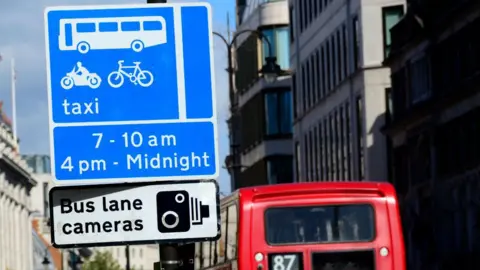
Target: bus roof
column 383, row 188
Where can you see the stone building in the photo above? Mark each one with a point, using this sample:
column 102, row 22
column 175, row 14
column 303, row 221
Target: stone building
column 16, row 182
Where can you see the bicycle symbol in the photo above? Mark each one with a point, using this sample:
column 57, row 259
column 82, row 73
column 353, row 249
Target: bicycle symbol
column 144, row 78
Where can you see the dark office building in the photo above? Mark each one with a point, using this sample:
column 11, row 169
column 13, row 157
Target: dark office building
column 433, row 128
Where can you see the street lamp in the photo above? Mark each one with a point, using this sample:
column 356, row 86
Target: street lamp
column 270, row 72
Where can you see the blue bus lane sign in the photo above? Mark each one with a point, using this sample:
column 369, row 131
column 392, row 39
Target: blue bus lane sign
column 131, row 93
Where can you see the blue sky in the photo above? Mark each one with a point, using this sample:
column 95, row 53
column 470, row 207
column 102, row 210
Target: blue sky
column 22, row 37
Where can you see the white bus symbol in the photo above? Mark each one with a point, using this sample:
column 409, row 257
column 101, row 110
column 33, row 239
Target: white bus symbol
column 111, row 33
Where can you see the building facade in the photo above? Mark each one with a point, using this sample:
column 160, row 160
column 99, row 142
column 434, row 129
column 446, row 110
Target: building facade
column 260, row 125
column 433, row 122
column 16, row 183
column 339, row 82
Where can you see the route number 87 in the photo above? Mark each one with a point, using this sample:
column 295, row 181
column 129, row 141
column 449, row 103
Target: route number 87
column 284, row 262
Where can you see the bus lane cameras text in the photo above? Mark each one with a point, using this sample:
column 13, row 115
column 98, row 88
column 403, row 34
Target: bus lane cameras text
column 69, row 207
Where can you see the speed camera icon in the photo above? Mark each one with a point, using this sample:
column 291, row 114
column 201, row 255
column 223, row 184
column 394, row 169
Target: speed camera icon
column 177, row 211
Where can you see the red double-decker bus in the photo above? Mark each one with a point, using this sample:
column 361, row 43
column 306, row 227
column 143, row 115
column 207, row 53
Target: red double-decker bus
column 310, row 226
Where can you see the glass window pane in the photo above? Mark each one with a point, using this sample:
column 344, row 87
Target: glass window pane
column 283, row 48
column 270, row 36
column 232, row 232
column 286, row 122
column 320, row 224
column 271, row 113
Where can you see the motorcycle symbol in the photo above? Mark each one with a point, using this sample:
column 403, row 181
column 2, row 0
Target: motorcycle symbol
column 80, row 76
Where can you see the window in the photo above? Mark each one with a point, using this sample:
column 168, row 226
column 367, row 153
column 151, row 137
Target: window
column 339, row 62
column 86, row 27
column 361, row 139
column 316, row 76
column 278, row 106
column 280, row 170
column 298, row 169
column 315, row 153
column 295, row 96
column 130, row 26
column 329, row 61
column 344, row 141
column 310, row 11
column 152, row 25
column 279, row 39
column 307, row 156
column 232, row 232
column 311, row 163
column 391, row 15
column 303, row 89
column 108, row 27
column 356, row 43
column 333, row 146
column 320, row 224
column 419, row 80
column 291, row 14
column 323, row 74
column 388, row 105
column 308, row 86
column 349, row 134
column 321, row 137
column 328, row 152
column 345, row 50
column 335, row 60
column 247, row 57
column 338, row 143
column 302, row 15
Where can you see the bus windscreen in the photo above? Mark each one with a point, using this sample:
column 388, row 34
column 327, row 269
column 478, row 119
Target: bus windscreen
column 320, row 224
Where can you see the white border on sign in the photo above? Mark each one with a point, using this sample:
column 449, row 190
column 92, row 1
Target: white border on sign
column 180, row 82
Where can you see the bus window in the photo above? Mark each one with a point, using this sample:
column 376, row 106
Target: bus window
column 130, row 26
column 232, row 232
column 108, row 27
column 206, row 254
column 152, row 25
column 320, row 224
column 221, row 242
column 86, row 27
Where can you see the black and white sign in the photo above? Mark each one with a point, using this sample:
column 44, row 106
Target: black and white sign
column 138, row 213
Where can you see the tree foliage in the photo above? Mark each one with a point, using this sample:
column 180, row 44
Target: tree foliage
column 101, row 261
